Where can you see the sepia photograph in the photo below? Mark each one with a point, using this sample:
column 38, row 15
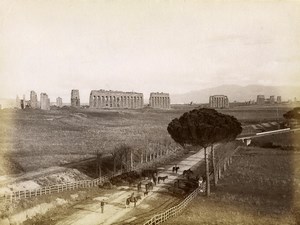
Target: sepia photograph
column 147, row 112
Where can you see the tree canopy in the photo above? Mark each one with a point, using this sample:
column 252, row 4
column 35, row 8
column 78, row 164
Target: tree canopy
column 293, row 114
column 204, row 127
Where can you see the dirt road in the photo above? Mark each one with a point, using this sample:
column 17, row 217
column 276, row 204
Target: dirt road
column 115, row 210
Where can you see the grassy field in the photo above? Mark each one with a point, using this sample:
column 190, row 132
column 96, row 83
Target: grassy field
column 258, row 188
column 285, row 141
column 32, row 139
column 262, row 186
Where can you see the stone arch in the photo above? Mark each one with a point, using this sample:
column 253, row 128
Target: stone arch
column 102, row 101
column 98, row 101
column 106, row 101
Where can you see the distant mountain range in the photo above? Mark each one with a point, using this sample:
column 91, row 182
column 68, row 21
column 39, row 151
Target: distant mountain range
column 237, row 93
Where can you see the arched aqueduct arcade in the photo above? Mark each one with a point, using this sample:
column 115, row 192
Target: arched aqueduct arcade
column 159, row 100
column 116, row 99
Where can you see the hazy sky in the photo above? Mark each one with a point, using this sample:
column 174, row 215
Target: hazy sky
column 171, row 46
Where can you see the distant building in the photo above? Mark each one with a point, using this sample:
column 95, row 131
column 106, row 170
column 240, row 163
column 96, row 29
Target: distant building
column 218, row 101
column 59, row 102
column 272, row 99
column 45, row 102
column 33, row 100
column 75, row 100
column 260, row 100
column 115, row 99
column 278, row 99
column 159, row 100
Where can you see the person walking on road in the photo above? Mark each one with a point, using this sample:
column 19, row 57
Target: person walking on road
column 102, row 206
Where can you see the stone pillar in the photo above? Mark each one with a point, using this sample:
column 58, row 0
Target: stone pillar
column 159, row 102
column 102, row 101
column 75, row 99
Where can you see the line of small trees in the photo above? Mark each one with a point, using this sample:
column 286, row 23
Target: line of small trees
column 127, row 155
column 204, row 128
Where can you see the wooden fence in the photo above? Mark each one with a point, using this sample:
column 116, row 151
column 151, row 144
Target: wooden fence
column 174, row 211
column 17, row 195
column 221, row 165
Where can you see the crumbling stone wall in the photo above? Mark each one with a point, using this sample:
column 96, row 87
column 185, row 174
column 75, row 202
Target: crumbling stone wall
column 59, row 102
column 75, row 99
column 45, row 102
column 33, row 100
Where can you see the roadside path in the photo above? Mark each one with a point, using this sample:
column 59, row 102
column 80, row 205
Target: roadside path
column 114, row 210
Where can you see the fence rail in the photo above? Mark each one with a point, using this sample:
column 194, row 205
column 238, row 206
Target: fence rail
column 175, row 210
column 17, row 195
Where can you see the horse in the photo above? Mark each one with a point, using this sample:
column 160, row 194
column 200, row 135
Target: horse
column 150, row 185
column 173, row 169
column 133, row 199
column 162, row 178
column 176, row 168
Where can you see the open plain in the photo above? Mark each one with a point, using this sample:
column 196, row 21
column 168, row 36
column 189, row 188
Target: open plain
column 61, row 145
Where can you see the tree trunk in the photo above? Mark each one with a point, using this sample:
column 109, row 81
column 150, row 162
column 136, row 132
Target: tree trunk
column 207, row 173
column 214, row 165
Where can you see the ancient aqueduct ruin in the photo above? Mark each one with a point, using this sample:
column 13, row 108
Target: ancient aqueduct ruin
column 119, row 99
